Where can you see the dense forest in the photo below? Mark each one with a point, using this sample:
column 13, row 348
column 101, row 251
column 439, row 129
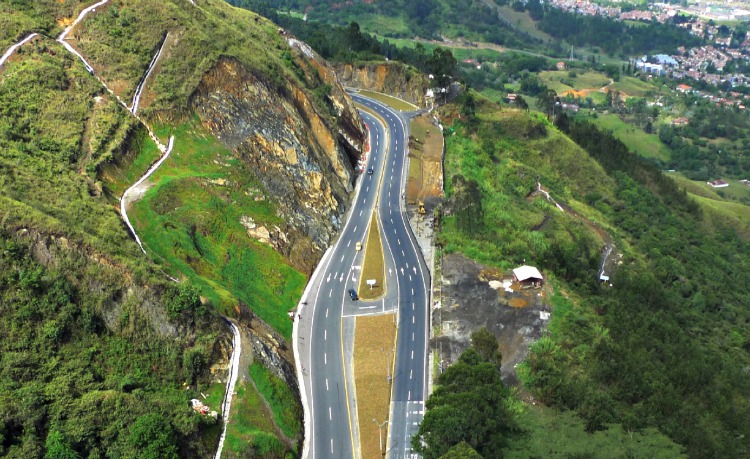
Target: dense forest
column 665, row 347
column 615, row 37
column 431, row 19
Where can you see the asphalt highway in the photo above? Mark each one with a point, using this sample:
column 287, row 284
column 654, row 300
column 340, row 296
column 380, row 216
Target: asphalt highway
column 329, row 335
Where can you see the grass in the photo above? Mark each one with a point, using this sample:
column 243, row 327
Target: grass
column 374, row 343
column 636, row 87
column 523, row 21
column 250, row 426
column 646, row 145
column 373, row 264
column 560, row 81
column 120, row 174
column 284, row 405
column 191, row 225
column 394, row 102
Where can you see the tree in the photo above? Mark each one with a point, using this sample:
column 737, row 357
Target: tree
column 468, row 105
column 485, row 343
column 151, row 437
column 461, row 451
column 521, row 103
column 58, row 447
column 548, row 100
column 469, row 405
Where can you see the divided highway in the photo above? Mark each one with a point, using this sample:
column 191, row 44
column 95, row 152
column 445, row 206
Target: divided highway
column 325, row 334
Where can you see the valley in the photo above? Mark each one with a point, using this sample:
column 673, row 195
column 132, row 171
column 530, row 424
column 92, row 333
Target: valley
column 244, row 228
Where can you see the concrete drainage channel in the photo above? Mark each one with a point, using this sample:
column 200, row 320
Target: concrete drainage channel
column 125, row 199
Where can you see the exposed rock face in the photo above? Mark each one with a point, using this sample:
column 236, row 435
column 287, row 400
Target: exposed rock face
column 303, row 158
column 389, row 77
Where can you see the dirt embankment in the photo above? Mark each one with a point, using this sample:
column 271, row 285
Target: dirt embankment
column 392, row 78
column 474, row 296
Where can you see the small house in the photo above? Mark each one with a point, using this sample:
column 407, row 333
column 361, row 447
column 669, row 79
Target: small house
column 560, row 65
column 528, row 276
column 718, row 183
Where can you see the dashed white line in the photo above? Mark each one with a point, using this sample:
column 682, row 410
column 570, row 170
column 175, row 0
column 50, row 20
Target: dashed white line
column 330, row 292
column 326, row 313
column 325, row 357
column 360, row 213
column 412, row 291
column 412, row 321
column 410, row 374
column 327, row 384
column 342, row 258
column 399, row 242
column 412, row 336
column 350, row 241
column 412, row 354
column 330, row 414
column 325, row 335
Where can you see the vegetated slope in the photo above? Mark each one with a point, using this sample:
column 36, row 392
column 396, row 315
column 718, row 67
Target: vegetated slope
column 266, row 141
column 470, row 19
column 665, row 346
column 96, row 344
column 252, row 194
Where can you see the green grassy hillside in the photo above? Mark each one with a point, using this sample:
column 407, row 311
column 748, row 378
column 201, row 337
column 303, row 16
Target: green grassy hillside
column 663, row 351
column 101, row 351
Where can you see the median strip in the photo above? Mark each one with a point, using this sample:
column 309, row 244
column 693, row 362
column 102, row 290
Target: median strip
column 372, row 279
column 374, row 344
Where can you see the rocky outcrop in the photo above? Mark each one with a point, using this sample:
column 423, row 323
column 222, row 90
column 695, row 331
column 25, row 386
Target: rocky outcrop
column 392, row 78
column 303, row 158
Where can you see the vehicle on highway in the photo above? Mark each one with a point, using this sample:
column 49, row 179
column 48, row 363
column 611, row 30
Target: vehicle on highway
column 370, row 171
column 353, row 295
column 358, row 246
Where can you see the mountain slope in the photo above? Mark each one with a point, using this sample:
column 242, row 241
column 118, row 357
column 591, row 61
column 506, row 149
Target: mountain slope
column 239, row 212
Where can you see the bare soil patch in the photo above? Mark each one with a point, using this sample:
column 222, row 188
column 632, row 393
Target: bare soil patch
column 425, row 161
column 474, row 296
column 374, row 344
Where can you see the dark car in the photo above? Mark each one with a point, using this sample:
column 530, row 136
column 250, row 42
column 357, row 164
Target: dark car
column 370, row 171
column 353, row 295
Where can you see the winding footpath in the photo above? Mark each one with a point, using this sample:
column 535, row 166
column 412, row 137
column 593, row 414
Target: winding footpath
column 127, row 196
column 142, row 84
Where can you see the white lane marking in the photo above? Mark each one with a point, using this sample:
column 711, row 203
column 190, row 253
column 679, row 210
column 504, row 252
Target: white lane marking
column 407, row 265
column 414, row 268
column 412, row 291
column 325, row 335
column 394, row 162
column 412, row 306
column 355, row 229
column 360, row 214
column 368, row 189
column 330, row 292
column 399, row 242
column 412, row 354
column 403, row 254
column 326, row 313
column 410, row 374
column 350, row 241
column 409, row 396
column 409, row 277
column 412, row 321
column 330, row 414
column 412, row 336
column 327, row 384
column 391, row 221
column 331, row 445
column 364, row 201
column 368, row 307
column 342, row 258
column 329, row 278
column 342, row 277
column 325, row 357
